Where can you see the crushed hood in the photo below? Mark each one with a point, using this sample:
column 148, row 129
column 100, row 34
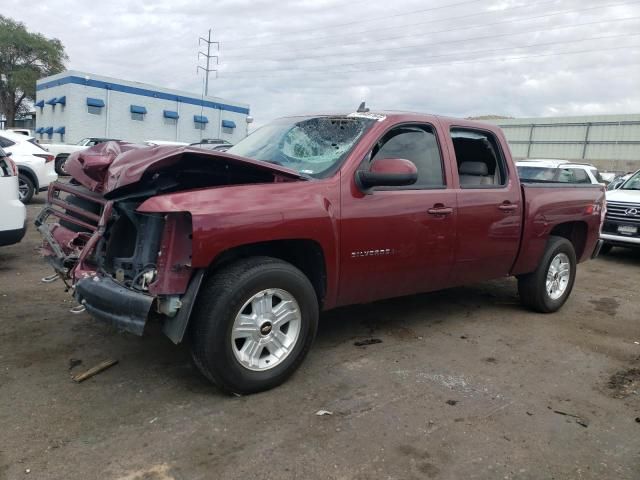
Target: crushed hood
column 111, row 166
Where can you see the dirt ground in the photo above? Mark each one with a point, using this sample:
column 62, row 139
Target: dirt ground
column 465, row 384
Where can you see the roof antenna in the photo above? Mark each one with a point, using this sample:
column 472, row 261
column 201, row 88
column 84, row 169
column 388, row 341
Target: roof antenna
column 362, row 108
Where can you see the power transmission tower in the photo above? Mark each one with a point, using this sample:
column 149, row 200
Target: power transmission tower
column 208, row 56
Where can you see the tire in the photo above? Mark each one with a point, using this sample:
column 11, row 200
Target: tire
column 83, row 203
column 605, row 249
column 533, row 286
column 26, row 187
column 226, row 296
column 59, row 166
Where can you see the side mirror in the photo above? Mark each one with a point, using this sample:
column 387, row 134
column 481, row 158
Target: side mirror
column 8, row 154
column 388, row 172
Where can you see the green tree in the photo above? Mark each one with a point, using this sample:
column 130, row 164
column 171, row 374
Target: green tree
column 24, row 58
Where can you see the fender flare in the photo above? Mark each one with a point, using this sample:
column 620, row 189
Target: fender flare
column 32, row 175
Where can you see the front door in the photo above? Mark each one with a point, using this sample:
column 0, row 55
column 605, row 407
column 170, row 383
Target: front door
column 398, row 240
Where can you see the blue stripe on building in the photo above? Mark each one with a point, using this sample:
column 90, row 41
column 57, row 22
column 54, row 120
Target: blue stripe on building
column 142, row 92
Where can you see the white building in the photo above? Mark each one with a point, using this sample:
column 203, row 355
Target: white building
column 72, row 105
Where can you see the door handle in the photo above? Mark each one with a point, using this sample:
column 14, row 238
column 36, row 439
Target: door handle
column 508, row 207
column 440, row 211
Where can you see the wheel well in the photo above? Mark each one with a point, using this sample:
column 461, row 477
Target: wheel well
column 304, row 254
column 62, row 155
column 575, row 232
column 32, row 176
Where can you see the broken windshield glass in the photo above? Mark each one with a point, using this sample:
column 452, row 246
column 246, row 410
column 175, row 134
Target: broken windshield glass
column 310, row 145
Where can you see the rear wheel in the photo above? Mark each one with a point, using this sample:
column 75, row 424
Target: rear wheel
column 26, row 188
column 253, row 324
column 548, row 288
column 60, row 163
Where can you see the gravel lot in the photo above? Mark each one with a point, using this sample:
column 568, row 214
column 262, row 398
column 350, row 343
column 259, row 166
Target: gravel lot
column 465, row 384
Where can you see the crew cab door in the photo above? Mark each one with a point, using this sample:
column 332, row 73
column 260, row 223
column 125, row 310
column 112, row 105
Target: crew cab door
column 489, row 205
column 398, row 240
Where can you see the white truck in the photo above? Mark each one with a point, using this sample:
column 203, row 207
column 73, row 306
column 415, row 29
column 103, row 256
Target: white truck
column 621, row 227
column 61, row 151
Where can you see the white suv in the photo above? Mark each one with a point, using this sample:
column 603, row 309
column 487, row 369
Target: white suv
column 557, row 171
column 35, row 165
column 622, row 223
column 13, row 213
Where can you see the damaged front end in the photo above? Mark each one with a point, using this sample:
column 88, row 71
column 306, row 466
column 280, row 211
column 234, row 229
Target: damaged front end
column 125, row 266
column 122, row 265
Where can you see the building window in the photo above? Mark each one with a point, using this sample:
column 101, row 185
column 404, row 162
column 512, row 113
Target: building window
column 171, row 121
column 200, row 126
column 94, row 110
column 139, row 117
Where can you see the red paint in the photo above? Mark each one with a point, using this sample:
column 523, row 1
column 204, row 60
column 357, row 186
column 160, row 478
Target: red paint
column 393, row 165
column 378, row 244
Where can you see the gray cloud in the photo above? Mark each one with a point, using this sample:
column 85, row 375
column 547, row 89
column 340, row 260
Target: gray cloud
column 469, row 58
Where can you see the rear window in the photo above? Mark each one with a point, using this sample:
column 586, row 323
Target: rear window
column 5, row 142
column 537, row 174
column 34, row 142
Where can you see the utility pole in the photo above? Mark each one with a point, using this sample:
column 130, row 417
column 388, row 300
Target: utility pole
column 208, row 56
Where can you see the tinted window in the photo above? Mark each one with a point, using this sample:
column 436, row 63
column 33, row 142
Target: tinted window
column 5, row 142
column 478, row 157
column 580, row 176
column 537, row 174
column 417, row 144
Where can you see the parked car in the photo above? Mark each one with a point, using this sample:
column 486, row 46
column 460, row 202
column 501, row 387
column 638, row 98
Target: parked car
column 156, row 143
column 622, row 224
column 220, row 147
column 21, row 131
column 61, row 151
column 35, row 164
column 242, row 249
column 13, row 213
column 562, row 171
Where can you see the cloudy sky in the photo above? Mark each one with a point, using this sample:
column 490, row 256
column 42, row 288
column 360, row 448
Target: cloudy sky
column 453, row 57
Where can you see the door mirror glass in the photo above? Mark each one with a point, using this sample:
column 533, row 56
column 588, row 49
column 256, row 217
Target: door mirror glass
column 388, row 172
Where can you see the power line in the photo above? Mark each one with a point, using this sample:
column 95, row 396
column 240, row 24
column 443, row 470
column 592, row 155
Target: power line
column 485, row 37
column 373, row 19
column 378, row 39
column 501, row 59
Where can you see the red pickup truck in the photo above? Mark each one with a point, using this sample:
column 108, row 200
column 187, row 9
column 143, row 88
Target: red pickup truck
column 238, row 251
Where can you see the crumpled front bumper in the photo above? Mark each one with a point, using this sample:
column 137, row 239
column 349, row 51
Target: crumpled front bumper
column 108, row 301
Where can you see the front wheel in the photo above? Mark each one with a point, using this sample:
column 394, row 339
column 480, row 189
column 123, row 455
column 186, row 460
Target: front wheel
column 549, row 287
column 253, row 324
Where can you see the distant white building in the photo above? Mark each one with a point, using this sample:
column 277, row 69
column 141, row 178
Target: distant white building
column 72, row 105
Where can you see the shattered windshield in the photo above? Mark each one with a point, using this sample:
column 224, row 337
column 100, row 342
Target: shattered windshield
column 312, row 146
column 633, row 183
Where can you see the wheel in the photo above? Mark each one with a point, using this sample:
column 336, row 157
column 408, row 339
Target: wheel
column 605, row 249
column 60, row 162
column 548, row 288
column 26, row 188
column 253, row 324
column 83, row 203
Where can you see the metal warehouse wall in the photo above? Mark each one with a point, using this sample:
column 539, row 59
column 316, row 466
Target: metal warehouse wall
column 114, row 119
column 611, row 142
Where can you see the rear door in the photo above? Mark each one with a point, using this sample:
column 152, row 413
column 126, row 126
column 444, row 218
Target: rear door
column 399, row 240
column 489, row 205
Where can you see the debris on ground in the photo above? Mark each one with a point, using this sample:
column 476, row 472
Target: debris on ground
column 637, row 419
column 624, row 383
column 578, row 419
column 322, row 413
column 368, row 341
column 81, row 377
column 451, row 402
column 74, row 362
